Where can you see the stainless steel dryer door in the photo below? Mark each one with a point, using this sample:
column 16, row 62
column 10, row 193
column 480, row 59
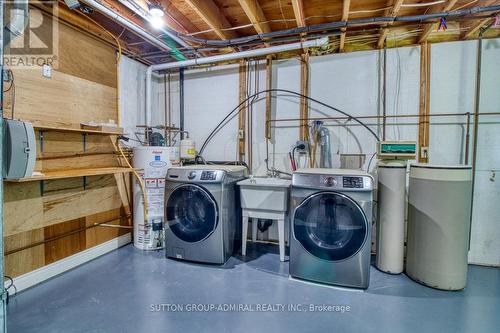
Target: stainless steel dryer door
column 191, row 213
column 330, row 226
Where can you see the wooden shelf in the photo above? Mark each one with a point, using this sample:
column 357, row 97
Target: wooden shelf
column 60, row 174
column 74, row 130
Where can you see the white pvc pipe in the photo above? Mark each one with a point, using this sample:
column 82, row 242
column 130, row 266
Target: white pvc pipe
column 122, row 20
column 224, row 57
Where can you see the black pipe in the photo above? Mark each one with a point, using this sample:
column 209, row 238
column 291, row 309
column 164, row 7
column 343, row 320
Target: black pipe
column 181, row 102
column 477, row 100
column 384, row 111
column 341, row 24
column 238, row 109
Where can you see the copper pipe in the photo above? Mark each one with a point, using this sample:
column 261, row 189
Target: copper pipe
column 121, row 218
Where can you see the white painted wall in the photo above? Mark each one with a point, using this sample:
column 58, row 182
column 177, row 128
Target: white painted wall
column 351, row 82
column 132, row 98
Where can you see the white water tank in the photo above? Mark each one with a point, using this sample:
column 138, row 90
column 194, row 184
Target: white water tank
column 439, row 211
column 391, row 216
column 153, row 163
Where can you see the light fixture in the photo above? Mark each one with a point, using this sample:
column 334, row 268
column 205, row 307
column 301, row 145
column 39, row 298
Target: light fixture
column 72, row 4
column 156, row 16
column 155, row 10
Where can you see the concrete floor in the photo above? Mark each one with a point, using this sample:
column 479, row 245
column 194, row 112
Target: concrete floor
column 116, row 292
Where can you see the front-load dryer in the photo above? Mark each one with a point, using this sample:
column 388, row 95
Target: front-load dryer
column 331, row 213
column 201, row 212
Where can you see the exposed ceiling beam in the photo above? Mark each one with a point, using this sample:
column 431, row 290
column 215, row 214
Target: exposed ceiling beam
column 475, row 27
column 254, row 12
column 213, row 17
column 345, row 16
column 392, row 12
column 176, row 20
column 428, row 28
column 298, row 11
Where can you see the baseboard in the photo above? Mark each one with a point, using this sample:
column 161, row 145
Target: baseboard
column 44, row 273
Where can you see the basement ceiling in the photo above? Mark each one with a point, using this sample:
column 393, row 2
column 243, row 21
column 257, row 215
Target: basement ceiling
column 218, row 20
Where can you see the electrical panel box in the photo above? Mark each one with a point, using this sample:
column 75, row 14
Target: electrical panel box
column 401, row 150
column 19, row 150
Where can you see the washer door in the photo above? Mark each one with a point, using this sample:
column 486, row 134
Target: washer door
column 330, row 226
column 191, row 213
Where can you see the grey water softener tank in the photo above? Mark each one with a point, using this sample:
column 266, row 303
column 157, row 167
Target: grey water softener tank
column 439, row 211
column 391, row 216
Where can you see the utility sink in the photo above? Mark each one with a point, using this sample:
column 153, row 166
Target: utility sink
column 264, row 193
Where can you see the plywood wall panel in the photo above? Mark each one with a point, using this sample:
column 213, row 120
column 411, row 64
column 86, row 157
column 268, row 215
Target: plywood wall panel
column 101, row 195
column 65, row 246
column 81, row 89
column 64, row 100
column 23, row 208
column 97, row 235
column 88, row 58
column 63, row 200
column 27, row 260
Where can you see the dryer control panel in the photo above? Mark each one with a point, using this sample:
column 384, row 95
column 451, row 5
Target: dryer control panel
column 333, row 182
column 198, row 176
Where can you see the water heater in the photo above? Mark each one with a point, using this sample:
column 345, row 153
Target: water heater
column 152, row 164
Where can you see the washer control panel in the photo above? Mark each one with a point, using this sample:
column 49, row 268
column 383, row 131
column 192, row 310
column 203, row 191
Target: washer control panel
column 202, row 176
column 352, row 182
column 208, row 175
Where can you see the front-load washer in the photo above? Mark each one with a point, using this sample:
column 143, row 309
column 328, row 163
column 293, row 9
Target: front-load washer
column 331, row 211
column 201, row 212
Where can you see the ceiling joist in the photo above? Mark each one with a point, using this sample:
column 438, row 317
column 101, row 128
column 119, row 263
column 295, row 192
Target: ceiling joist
column 476, row 27
column 298, row 11
column 255, row 14
column 392, row 12
column 430, row 27
column 211, row 14
column 345, row 17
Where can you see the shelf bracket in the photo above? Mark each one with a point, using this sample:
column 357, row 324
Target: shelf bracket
column 84, row 141
column 40, row 138
column 42, row 187
column 84, row 183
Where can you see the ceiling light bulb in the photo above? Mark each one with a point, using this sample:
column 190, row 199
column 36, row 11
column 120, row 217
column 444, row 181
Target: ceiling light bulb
column 156, row 22
column 155, row 11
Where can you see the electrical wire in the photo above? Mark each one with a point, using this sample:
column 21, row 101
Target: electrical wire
column 370, row 162
column 237, row 110
column 424, row 4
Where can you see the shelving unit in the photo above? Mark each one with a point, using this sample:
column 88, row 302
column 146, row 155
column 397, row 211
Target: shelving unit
column 71, row 173
column 74, row 130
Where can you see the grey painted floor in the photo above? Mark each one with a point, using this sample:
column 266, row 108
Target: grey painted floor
column 115, row 293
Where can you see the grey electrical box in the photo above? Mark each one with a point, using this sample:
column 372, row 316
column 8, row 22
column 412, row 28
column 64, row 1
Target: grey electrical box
column 19, row 154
